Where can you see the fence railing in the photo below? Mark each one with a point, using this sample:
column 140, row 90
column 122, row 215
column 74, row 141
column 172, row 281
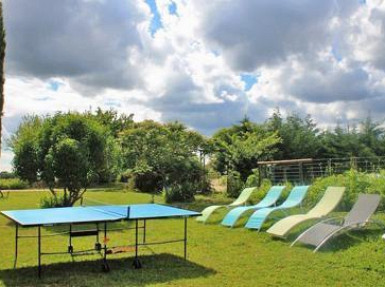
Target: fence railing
column 305, row 170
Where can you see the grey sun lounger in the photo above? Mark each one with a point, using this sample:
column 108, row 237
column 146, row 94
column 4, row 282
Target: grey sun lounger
column 241, row 200
column 327, row 204
column 270, row 199
column 358, row 217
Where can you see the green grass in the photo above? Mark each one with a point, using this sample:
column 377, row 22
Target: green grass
column 217, row 256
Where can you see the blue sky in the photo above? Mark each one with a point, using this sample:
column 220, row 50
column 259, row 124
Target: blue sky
column 205, row 63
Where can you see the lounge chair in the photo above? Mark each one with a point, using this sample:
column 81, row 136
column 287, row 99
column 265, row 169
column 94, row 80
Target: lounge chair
column 294, row 199
column 358, row 217
column 327, row 204
column 241, row 200
column 270, row 199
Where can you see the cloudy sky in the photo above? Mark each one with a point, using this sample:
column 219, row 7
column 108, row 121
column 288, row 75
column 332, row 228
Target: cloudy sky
column 205, row 63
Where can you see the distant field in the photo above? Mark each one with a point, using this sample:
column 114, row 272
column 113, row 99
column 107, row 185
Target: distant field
column 217, row 256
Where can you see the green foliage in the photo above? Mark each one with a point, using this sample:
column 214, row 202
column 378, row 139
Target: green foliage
column 288, row 187
column 13, row 183
column 234, row 184
column 66, row 151
column 163, row 155
column 241, row 146
column 367, row 141
column 51, row 201
column 181, row 192
column 24, row 144
column 6, row 174
column 298, row 136
column 114, row 123
column 355, row 183
column 253, row 179
column 262, row 190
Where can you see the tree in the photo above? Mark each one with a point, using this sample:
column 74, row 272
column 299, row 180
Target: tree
column 24, row 144
column 2, row 58
column 299, row 136
column 113, row 122
column 240, row 147
column 66, row 151
column 372, row 136
column 163, row 156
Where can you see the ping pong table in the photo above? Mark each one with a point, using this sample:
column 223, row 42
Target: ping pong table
column 98, row 215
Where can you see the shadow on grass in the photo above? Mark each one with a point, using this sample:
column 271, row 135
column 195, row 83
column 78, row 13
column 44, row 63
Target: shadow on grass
column 160, row 268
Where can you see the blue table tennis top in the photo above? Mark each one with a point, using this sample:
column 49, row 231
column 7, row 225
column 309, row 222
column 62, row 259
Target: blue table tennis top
column 89, row 214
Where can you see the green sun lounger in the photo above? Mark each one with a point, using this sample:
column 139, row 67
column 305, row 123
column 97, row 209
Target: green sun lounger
column 357, row 218
column 270, row 199
column 294, row 199
column 241, row 200
column 327, row 204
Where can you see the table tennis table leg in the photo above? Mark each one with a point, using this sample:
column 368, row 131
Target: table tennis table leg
column 98, row 246
column 144, row 231
column 136, row 262
column 185, row 238
column 39, row 251
column 16, row 244
column 70, row 247
column 105, row 266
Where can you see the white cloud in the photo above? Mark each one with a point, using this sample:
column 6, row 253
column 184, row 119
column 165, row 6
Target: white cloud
column 319, row 57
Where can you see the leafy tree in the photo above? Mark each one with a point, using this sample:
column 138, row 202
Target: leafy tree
column 67, row 151
column 24, row 144
column 2, row 58
column 240, row 147
column 113, row 122
column 162, row 156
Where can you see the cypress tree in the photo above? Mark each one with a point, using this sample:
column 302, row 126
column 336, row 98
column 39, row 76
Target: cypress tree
column 2, row 58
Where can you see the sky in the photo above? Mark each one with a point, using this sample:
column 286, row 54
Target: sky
column 207, row 64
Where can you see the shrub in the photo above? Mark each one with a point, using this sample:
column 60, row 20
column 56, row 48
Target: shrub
column 253, row 179
column 262, row 190
column 13, row 183
column 6, row 174
column 180, row 192
column 355, row 183
column 288, row 187
column 51, row 201
column 147, row 182
column 235, row 184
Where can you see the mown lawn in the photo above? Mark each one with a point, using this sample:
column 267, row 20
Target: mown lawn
column 217, row 256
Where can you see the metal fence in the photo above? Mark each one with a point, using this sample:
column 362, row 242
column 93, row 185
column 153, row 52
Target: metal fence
column 305, row 170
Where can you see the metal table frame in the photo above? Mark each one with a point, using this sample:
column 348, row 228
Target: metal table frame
column 98, row 248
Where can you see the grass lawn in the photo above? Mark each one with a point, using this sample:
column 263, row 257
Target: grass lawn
column 217, row 256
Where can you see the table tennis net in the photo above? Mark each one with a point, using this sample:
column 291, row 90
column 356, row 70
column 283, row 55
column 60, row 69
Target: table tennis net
column 120, row 211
